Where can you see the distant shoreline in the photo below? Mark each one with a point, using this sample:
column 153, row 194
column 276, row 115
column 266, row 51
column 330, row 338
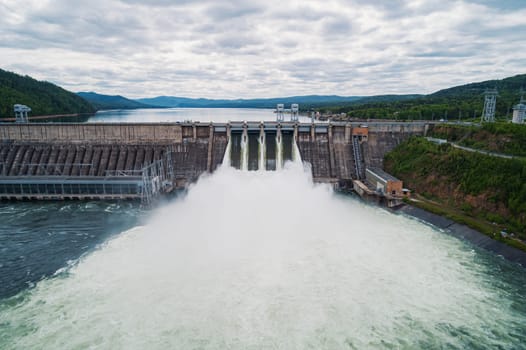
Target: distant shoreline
column 51, row 116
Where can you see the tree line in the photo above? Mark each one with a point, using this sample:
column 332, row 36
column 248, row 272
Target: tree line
column 43, row 98
column 457, row 103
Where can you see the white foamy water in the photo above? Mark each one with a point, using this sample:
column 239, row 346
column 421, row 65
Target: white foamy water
column 267, row 260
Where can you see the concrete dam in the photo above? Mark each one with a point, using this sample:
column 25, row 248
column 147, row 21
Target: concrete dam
column 143, row 160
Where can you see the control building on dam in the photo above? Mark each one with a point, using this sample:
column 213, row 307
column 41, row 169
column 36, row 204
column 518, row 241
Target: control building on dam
column 142, row 160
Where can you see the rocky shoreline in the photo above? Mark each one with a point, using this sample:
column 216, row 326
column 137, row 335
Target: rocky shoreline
column 464, row 232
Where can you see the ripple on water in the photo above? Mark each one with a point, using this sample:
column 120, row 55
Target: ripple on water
column 48, row 234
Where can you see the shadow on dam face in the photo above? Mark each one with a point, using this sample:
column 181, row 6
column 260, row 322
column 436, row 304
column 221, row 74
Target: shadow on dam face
column 270, row 150
column 287, row 140
column 275, row 150
column 253, row 150
column 235, row 149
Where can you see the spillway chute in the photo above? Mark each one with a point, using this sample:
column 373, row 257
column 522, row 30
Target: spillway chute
column 263, row 150
column 279, row 152
column 244, row 152
column 227, row 160
column 296, row 155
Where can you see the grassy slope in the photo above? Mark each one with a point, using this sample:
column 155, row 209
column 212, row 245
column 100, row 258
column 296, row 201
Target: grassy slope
column 484, row 192
column 496, row 137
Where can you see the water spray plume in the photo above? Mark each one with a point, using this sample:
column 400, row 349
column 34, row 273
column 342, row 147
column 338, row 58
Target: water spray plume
column 250, row 260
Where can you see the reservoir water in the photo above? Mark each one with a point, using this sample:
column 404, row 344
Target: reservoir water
column 248, row 260
column 203, row 115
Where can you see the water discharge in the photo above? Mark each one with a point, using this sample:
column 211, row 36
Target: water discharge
column 227, row 159
column 296, row 155
column 244, row 151
column 262, row 153
column 279, row 152
column 256, row 260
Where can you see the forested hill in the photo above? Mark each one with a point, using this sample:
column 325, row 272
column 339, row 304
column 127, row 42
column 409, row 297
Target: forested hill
column 305, row 102
column 463, row 101
column 489, row 189
column 42, row 97
column 111, row 102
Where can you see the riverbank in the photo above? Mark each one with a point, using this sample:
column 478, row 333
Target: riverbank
column 481, row 191
column 464, row 232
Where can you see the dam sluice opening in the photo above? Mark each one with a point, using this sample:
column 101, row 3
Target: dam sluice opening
column 287, row 140
column 270, row 150
column 253, row 150
column 234, row 147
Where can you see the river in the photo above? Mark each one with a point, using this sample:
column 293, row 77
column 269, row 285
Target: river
column 248, row 260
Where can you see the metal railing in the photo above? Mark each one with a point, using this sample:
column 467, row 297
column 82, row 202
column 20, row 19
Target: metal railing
column 358, row 158
column 51, row 182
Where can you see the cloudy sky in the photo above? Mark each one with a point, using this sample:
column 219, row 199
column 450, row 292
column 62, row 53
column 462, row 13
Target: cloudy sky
column 262, row 48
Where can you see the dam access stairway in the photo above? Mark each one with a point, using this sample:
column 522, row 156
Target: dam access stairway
column 59, row 161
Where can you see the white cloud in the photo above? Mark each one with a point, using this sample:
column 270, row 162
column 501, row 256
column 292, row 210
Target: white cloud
column 240, row 49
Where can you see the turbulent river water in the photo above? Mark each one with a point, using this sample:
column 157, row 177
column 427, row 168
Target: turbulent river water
column 249, row 260
column 246, row 260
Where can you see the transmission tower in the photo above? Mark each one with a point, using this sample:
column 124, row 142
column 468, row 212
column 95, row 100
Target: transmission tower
column 519, row 110
column 490, row 102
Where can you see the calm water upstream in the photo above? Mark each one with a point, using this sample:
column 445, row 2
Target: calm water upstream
column 248, row 260
column 203, row 115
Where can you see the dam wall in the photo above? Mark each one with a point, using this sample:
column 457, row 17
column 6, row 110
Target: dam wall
column 328, row 149
column 341, row 152
column 384, row 137
column 103, row 160
column 94, row 132
column 148, row 159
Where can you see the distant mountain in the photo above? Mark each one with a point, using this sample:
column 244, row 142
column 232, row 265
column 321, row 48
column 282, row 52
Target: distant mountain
column 305, row 102
column 460, row 102
column 42, row 97
column 111, row 102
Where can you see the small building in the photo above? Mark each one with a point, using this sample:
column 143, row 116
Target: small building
column 384, row 183
column 519, row 113
column 361, row 132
